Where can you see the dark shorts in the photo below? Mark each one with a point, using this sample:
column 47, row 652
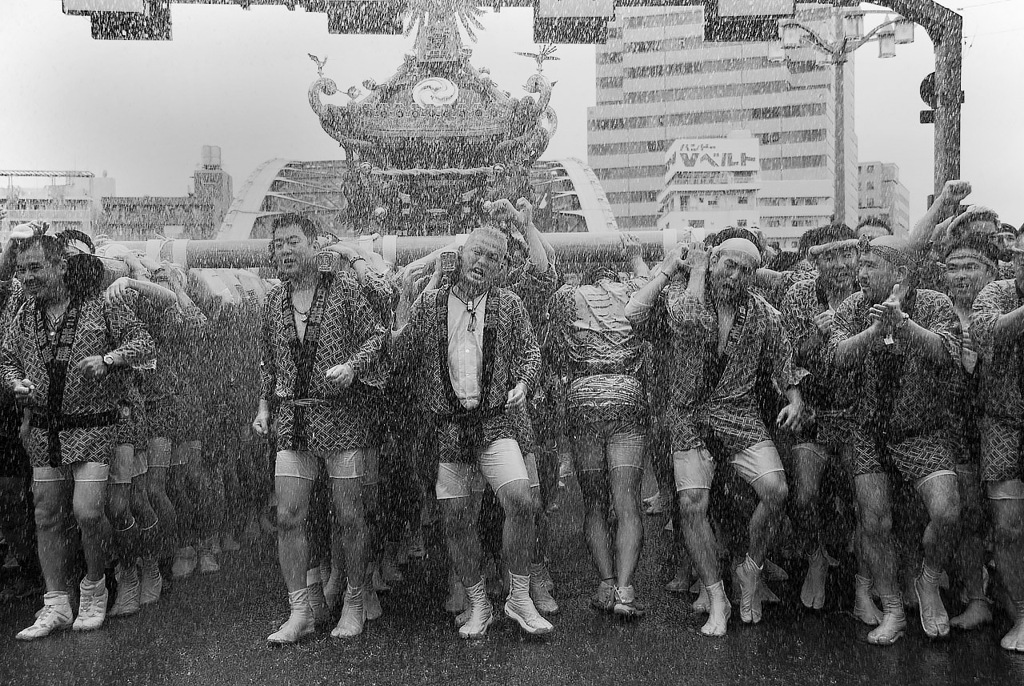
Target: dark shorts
column 131, row 425
column 1001, row 442
column 916, row 458
column 162, row 420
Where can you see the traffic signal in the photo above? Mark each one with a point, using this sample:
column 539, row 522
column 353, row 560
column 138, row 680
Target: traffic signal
column 930, row 98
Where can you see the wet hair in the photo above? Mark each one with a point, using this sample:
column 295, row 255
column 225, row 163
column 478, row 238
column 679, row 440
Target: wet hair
column 308, row 227
column 876, row 220
column 53, row 247
column 830, row 233
column 976, row 243
column 783, row 261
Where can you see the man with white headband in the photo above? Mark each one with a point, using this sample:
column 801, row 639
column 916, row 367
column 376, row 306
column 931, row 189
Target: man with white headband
column 997, row 328
column 900, row 343
column 732, row 338
column 808, row 310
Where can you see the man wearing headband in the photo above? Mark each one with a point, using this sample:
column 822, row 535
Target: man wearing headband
column 472, row 351
column 807, row 313
column 900, row 343
column 320, row 338
column 598, row 357
column 732, row 336
column 971, row 264
column 63, row 359
column 997, row 329
column 170, row 317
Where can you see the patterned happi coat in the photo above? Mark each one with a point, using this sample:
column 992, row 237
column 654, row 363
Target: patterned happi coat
column 510, row 356
column 828, row 393
column 595, row 349
column 72, row 417
column 901, row 394
column 1000, row 383
column 719, row 396
column 313, row 413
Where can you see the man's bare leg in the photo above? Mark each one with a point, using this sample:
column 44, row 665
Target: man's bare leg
column 1008, row 522
column 875, row 507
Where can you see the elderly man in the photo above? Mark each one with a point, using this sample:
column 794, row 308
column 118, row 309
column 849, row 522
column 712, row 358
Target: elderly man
column 475, row 357
column 900, row 343
column 60, row 359
column 808, row 311
column 997, row 328
column 320, row 337
column 735, row 337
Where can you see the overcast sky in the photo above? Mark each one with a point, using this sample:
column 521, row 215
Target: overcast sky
column 238, row 79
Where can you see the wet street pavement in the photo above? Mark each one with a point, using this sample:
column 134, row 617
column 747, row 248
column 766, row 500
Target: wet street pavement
column 211, row 630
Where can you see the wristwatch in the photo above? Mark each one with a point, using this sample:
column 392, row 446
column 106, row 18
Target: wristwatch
column 109, row 361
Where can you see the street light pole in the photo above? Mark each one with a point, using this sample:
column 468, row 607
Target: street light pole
column 839, row 211
column 838, row 53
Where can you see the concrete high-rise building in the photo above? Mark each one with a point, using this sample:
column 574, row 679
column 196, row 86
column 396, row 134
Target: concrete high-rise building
column 659, row 81
column 880, row 194
column 196, row 215
column 71, row 199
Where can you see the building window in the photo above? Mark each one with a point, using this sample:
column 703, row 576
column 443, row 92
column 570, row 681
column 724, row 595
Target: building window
column 742, row 200
column 741, row 223
column 696, row 223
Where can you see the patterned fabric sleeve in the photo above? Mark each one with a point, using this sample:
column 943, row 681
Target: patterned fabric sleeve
column 687, row 314
column 366, row 327
column 381, row 293
column 939, row 317
column 989, row 306
column 785, row 372
column 268, row 364
column 797, row 319
column 134, row 344
column 844, row 327
column 526, row 351
column 561, row 312
column 11, row 367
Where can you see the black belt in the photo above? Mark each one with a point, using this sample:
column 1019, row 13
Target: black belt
column 74, row 421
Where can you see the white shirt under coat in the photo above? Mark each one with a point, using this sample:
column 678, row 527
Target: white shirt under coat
column 465, row 349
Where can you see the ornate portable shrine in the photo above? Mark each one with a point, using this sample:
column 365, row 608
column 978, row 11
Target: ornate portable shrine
column 426, row 150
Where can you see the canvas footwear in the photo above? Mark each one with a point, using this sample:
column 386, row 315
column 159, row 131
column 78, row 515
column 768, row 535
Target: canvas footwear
column 480, row 613
column 353, row 615
column 55, row 616
column 520, row 607
column 129, row 591
column 300, row 620
column 150, row 580
column 92, row 605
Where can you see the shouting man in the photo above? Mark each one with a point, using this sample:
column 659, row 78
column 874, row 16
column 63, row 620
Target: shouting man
column 475, row 357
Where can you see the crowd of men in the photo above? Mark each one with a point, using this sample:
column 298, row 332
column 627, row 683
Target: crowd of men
column 866, row 379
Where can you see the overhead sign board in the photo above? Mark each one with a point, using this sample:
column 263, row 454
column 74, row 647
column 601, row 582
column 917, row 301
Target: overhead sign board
column 713, row 154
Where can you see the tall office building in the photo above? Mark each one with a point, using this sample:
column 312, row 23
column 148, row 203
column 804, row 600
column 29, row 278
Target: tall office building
column 881, row 194
column 658, row 81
